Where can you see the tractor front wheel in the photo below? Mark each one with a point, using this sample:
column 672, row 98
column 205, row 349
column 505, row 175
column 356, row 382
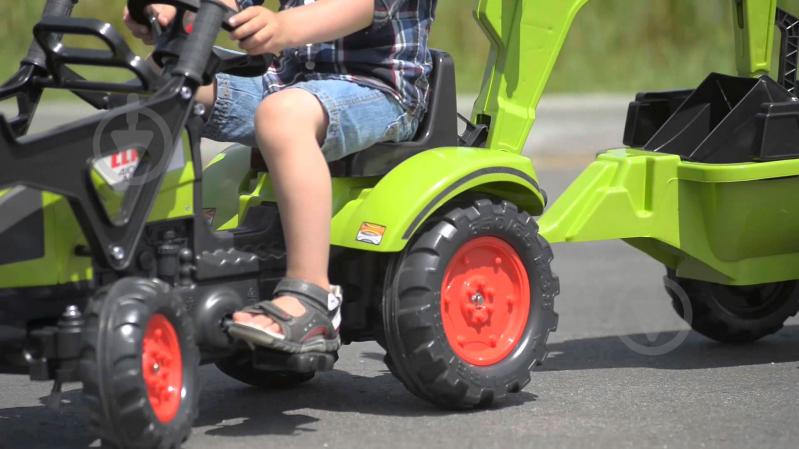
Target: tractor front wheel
column 139, row 366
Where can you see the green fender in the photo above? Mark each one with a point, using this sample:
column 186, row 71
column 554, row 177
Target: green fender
column 401, row 201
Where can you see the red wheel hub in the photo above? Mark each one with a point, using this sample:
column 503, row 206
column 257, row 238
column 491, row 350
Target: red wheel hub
column 485, row 301
column 162, row 365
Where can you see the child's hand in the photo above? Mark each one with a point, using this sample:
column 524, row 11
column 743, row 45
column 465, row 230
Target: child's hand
column 165, row 15
column 259, row 31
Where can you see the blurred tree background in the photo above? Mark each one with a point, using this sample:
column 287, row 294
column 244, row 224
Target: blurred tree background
column 614, row 45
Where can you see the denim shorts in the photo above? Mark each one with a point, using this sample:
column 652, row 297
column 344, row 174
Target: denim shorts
column 358, row 116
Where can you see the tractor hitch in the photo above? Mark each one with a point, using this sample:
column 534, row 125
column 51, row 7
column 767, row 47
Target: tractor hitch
column 53, row 352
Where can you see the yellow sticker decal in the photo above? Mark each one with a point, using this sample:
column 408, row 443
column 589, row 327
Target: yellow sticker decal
column 371, row 233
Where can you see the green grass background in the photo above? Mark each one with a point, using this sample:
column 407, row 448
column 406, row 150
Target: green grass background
column 614, row 46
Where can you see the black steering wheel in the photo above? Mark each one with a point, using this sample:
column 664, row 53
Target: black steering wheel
column 170, row 43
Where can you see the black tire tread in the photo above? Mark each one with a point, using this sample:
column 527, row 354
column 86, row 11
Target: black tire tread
column 708, row 320
column 117, row 415
column 425, row 369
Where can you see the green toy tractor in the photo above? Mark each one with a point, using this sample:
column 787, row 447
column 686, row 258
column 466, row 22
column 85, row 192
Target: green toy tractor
column 123, row 259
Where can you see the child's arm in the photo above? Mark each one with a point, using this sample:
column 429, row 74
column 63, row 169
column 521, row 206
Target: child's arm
column 261, row 31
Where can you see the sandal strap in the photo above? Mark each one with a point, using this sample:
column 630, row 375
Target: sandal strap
column 306, row 292
column 272, row 310
column 321, row 319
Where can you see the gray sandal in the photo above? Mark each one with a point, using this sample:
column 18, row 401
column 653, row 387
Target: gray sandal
column 315, row 331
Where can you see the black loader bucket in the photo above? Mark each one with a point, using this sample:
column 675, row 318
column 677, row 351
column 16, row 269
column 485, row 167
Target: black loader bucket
column 731, row 119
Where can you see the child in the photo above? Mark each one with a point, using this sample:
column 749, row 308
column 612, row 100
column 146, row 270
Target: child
column 351, row 73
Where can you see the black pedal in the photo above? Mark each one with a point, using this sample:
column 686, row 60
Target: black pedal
column 307, row 362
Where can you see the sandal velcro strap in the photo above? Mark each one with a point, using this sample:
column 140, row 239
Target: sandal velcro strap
column 314, row 331
column 316, row 295
column 269, row 308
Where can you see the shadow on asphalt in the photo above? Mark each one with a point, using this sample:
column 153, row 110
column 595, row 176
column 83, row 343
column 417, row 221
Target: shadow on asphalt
column 231, row 409
column 247, row 411
column 40, row 427
column 695, row 352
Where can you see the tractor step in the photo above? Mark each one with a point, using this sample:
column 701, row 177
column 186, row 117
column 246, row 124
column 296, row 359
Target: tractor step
column 308, row 362
column 224, row 263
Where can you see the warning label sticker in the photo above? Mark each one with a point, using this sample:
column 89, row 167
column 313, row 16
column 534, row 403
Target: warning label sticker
column 117, row 169
column 371, row 233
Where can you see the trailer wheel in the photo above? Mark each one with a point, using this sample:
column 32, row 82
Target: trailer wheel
column 139, row 366
column 240, row 367
column 468, row 306
column 734, row 314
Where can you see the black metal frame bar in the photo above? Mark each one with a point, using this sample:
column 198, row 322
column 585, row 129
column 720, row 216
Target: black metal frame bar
column 48, row 34
column 60, row 161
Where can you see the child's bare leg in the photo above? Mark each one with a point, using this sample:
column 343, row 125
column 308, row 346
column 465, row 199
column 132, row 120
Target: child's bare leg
column 289, row 128
column 206, row 96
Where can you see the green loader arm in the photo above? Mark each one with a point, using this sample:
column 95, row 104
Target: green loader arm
column 527, row 37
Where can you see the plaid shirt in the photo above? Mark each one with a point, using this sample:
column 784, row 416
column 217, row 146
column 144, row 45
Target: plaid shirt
column 390, row 55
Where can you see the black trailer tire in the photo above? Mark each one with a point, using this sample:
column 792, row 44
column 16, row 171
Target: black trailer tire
column 241, row 368
column 419, row 348
column 733, row 314
column 118, row 322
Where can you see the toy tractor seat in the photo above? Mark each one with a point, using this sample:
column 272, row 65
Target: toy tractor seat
column 439, row 128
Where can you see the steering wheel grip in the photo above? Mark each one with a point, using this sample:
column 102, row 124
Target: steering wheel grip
column 138, row 9
column 199, row 58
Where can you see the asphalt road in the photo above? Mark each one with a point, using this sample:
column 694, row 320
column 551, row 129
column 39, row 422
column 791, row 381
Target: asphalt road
column 593, row 391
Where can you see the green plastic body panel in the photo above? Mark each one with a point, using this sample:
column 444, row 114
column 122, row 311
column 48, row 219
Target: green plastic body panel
column 224, row 179
column 400, row 201
column 176, row 198
column 59, row 265
column 62, row 233
column 736, row 224
column 409, row 194
column 526, row 38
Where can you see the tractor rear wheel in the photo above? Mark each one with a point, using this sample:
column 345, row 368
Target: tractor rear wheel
column 733, row 314
column 468, row 306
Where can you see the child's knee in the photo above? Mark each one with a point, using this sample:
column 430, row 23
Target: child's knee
column 286, row 117
column 269, row 123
